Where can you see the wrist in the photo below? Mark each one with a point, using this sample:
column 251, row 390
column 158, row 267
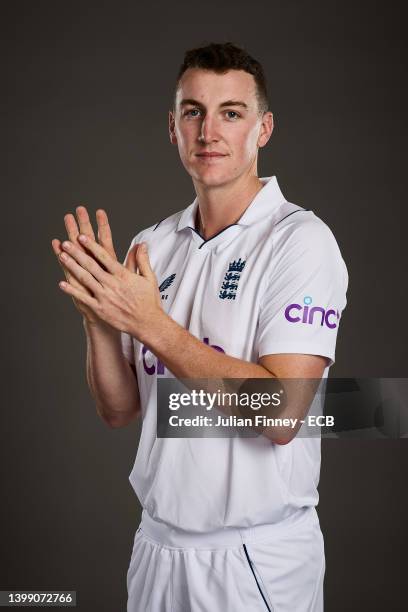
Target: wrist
column 153, row 329
column 98, row 326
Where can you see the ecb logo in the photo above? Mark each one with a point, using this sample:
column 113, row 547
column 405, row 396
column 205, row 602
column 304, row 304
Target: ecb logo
column 231, row 278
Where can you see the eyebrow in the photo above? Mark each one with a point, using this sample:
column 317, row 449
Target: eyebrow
column 193, row 102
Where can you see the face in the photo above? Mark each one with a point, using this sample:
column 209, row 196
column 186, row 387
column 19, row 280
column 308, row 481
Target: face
column 217, row 126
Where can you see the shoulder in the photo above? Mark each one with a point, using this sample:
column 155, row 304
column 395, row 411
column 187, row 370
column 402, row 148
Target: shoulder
column 304, row 244
column 301, row 228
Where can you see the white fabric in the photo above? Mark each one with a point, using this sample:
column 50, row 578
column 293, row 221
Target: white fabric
column 268, row 567
column 292, row 264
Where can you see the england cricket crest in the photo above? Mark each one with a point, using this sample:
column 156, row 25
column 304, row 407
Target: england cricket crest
column 229, row 286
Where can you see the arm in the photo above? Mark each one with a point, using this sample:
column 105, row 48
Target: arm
column 111, row 379
column 132, row 303
column 189, row 358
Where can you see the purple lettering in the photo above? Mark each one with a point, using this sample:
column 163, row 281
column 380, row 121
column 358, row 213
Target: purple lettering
column 214, row 346
column 326, row 318
column 308, row 315
column 148, row 369
column 288, row 316
column 305, row 313
column 313, row 310
column 217, row 348
column 160, row 368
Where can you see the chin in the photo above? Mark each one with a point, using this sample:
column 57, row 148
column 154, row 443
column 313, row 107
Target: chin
column 211, row 177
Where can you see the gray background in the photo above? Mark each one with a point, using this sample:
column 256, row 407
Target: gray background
column 87, row 87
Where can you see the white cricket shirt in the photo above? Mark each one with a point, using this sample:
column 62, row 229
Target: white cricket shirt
column 274, row 282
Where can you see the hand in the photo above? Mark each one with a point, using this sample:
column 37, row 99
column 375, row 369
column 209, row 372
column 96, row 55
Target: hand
column 113, row 292
column 85, row 227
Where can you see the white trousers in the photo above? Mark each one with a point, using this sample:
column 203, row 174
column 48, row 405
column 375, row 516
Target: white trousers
column 277, row 567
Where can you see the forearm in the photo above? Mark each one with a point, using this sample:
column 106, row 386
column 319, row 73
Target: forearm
column 187, row 357
column 111, row 380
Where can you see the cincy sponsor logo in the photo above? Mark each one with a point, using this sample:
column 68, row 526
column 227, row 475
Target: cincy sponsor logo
column 306, row 313
column 152, row 365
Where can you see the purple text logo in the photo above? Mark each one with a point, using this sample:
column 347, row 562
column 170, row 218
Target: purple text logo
column 152, row 365
column 306, row 313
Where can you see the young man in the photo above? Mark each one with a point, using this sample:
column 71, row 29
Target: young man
column 227, row 523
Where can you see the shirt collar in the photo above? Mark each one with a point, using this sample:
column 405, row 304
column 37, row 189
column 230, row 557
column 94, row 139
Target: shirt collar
column 266, row 201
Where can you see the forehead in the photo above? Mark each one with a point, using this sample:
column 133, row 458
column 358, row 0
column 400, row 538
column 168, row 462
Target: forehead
column 211, row 88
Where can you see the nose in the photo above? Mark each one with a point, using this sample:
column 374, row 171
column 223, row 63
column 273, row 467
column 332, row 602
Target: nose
column 208, row 131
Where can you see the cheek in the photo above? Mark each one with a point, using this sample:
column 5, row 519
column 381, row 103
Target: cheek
column 253, row 137
column 180, row 137
column 185, row 145
column 186, row 135
column 247, row 142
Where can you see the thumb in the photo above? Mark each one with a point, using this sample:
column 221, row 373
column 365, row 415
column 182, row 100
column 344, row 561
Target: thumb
column 143, row 262
column 130, row 261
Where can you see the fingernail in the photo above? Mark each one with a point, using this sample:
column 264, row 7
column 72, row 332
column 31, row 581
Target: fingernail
column 82, row 238
column 64, row 256
column 66, row 244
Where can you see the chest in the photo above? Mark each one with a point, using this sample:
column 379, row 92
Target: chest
column 216, row 293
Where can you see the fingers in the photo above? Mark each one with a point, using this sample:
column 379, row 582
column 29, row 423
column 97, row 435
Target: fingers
column 143, row 262
column 82, row 225
column 71, row 224
column 85, row 226
column 100, row 254
column 85, row 278
column 78, row 259
column 57, row 248
column 81, row 296
column 104, row 232
column 56, row 245
column 71, row 227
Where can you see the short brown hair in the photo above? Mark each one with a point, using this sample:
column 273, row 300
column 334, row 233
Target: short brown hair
column 221, row 57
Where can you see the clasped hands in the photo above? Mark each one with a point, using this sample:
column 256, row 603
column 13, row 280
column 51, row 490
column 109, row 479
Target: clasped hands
column 126, row 297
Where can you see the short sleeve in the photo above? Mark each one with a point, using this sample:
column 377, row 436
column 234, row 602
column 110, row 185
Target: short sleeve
column 125, row 338
column 305, row 292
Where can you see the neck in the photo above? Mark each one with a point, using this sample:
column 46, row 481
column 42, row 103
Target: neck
column 224, row 205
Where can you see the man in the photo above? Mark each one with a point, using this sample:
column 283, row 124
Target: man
column 227, row 523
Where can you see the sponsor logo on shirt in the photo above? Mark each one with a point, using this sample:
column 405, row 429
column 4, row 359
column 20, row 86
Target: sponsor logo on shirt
column 165, row 285
column 229, row 286
column 152, row 365
column 306, row 313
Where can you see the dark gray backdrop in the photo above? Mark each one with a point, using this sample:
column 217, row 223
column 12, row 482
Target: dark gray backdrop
column 86, row 92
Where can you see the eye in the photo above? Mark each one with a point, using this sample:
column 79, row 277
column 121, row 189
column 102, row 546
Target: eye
column 189, row 113
column 231, row 112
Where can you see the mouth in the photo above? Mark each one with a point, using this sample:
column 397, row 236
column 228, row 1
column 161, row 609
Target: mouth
column 210, row 155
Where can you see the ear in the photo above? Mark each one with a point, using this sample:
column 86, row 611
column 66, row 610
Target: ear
column 172, row 127
column 266, row 129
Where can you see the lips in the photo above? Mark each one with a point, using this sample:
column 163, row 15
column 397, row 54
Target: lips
column 212, row 154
